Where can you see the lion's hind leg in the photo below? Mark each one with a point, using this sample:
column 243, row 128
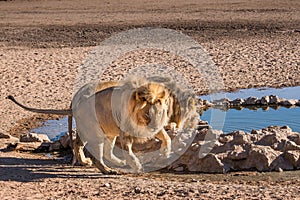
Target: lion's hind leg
column 78, row 153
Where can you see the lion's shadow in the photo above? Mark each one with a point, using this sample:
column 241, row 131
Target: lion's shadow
column 32, row 170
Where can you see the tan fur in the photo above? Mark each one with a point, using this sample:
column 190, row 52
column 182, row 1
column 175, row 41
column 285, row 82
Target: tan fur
column 151, row 106
column 147, row 116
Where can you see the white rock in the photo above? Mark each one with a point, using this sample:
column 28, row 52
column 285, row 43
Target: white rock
column 34, row 137
column 251, row 101
column 265, row 100
column 273, row 99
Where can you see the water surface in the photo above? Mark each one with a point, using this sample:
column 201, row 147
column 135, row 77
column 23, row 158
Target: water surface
column 247, row 119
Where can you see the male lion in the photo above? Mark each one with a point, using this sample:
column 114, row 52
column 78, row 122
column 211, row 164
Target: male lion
column 141, row 118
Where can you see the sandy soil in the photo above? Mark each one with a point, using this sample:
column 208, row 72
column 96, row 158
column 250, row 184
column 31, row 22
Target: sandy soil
column 43, row 43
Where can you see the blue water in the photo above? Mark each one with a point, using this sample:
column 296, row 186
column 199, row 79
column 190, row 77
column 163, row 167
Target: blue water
column 54, row 128
column 247, row 119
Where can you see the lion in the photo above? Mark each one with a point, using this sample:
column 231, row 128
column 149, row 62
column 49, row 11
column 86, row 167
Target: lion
column 143, row 109
column 150, row 108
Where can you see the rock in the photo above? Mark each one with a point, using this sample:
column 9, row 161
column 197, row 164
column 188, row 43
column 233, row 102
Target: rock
column 295, row 138
column 55, row 146
column 240, row 137
column 209, row 164
column 225, row 138
column 221, row 102
column 274, row 136
column 237, row 102
column 280, row 163
column 203, row 103
column 250, row 101
column 107, row 185
column 293, row 157
column 34, row 137
column 288, row 103
column 298, row 103
column 260, row 158
column 265, row 100
column 137, row 190
column 279, row 169
column 44, row 147
column 4, row 136
column 65, row 140
column 206, row 103
column 179, row 169
column 269, row 140
column 202, row 124
column 238, row 153
column 286, row 145
column 24, row 146
column 273, row 99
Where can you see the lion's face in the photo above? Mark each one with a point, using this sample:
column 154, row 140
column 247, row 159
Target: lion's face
column 149, row 105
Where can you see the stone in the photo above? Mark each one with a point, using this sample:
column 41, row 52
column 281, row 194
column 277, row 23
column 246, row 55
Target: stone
column 44, row 147
column 288, row 103
column 209, row 164
column 269, row 140
column 238, row 153
column 265, row 100
column 279, row 170
column 281, row 163
column 251, row 101
column 259, row 158
column 274, row 136
column 225, row 138
column 65, row 141
column 4, row 136
column 55, row 146
column 273, row 99
column 24, row 146
column 286, row 145
column 295, row 138
column 240, row 137
column 34, row 137
column 204, row 103
column 221, row 102
column 293, row 157
column 237, row 102
column 298, row 103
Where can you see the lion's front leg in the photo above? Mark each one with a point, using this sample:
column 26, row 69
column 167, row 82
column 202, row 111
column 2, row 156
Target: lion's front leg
column 109, row 154
column 100, row 163
column 133, row 161
column 165, row 142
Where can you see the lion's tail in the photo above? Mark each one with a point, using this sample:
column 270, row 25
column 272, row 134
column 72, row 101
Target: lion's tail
column 45, row 111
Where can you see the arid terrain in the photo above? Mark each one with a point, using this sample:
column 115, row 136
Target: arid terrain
column 43, row 44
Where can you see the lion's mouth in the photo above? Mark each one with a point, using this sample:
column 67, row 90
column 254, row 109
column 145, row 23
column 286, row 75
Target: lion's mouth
column 157, row 118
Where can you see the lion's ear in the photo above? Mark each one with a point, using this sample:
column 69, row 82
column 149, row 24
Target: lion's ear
column 140, row 99
column 137, row 96
column 190, row 103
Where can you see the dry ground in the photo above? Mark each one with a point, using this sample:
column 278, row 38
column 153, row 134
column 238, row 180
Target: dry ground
column 43, row 43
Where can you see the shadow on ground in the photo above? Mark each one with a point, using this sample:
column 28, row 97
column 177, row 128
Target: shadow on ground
column 29, row 170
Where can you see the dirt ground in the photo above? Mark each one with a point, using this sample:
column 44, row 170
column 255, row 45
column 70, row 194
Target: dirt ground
column 43, row 43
